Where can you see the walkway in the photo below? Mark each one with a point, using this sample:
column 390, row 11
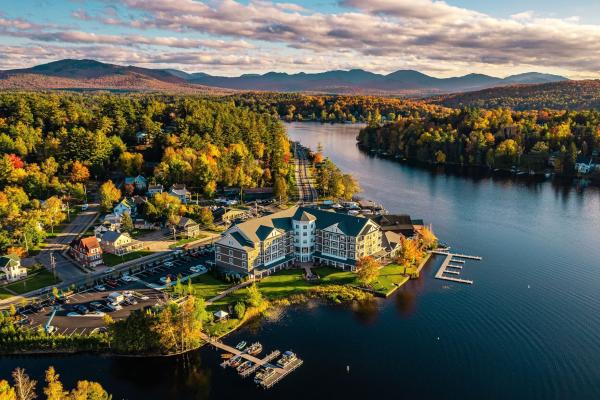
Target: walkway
column 230, row 290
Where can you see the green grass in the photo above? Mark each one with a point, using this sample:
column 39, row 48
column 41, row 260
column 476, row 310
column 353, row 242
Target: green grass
column 390, row 277
column 181, row 242
column 36, row 281
column 4, row 294
column 207, row 286
column 113, row 259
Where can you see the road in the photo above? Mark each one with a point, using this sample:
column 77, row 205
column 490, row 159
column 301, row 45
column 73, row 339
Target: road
column 306, row 191
column 66, row 269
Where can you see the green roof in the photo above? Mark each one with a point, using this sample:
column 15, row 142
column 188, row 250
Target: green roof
column 349, row 224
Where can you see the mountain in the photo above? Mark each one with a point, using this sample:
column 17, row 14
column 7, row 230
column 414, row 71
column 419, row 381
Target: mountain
column 94, row 74
column 561, row 95
column 360, row 81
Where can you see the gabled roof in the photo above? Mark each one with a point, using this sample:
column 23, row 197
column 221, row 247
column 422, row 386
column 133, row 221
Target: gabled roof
column 306, row 217
column 350, row 225
column 263, row 231
column 87, row 242
column 8, row 260
column 185, row 222
column 111, row 236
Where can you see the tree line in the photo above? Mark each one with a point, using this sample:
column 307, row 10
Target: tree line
column 498, row 138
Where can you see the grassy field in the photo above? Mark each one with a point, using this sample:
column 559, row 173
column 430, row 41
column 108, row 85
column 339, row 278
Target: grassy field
column 4, row 294
column 390, row 277
column 36, row 281
column 113, row 259
column 207, row 286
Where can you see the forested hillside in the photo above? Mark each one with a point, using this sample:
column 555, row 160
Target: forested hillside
column 496, row 138
column 567, row 95
column 301, row 107
column 52, row 144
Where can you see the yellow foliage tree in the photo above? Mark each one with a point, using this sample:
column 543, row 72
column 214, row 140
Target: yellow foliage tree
column 367, row 270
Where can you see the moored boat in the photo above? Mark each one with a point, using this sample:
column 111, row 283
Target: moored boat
column 241, row 345
column 255, row 348
column 244, row 366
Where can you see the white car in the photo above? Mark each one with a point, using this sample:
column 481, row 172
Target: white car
column 128, row 278
column 84, row 206
column 100, row 288
column 168, row 263
column 198, row 268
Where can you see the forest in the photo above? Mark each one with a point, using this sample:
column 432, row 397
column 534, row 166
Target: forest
column 331, row 108
column 53, row 144
column 498, row 138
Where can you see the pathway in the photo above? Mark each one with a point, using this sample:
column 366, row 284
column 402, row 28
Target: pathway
column 230, row 290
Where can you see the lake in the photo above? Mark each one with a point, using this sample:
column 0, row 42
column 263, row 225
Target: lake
column 526, row 329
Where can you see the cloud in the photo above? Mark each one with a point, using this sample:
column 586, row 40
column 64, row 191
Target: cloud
column 383, row 35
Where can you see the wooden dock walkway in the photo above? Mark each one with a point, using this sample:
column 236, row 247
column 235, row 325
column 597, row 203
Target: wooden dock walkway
column 444, row 268
column 281, row 373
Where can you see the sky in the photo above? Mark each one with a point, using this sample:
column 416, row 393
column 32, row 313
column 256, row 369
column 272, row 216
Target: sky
column 233, row 37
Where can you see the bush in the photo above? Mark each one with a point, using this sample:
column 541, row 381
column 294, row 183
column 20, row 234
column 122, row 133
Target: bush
column 239, row 310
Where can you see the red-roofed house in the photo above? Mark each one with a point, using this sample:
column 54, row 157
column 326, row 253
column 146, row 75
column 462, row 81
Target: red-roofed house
column 87, row 251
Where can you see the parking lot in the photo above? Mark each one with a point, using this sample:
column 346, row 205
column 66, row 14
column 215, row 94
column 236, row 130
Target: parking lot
column 142, row 284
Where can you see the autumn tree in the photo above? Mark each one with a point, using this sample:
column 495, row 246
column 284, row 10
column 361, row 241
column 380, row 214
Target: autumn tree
column 109, row 194
column 367, row 270
column 53, row 212
column 6, row 391
column 428, row 239
column 79, row 172
column 54, row 388
column 280, row 188
column 410, row 253
column 254, row 297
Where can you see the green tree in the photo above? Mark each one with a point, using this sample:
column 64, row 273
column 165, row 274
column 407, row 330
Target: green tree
column 127, row 223
column 53, row 212
column 239, row 310
column 253, row 296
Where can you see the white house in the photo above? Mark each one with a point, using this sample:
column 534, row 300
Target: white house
column 10, row 264
column 181, row 193
column 154, row 189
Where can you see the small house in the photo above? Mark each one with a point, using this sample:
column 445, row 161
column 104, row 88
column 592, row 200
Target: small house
column 154, row 189
column 86, row 251
column 181, row 192
column 188, row 227
column 138, row 182
column 119, row 243
column 10, row 265
column 125, row 206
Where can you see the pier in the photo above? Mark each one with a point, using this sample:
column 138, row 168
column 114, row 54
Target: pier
column 453, row 269
column 278, row 372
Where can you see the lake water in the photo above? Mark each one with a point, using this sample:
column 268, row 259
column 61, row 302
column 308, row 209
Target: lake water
column 528, row 328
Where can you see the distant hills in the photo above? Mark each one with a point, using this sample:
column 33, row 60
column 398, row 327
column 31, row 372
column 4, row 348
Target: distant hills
column 91, row 74
column 565, row 95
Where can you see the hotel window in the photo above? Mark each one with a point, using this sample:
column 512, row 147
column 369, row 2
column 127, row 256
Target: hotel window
column 230, row 260
column 303, row 233
column 244, row 264
column 219, row 257
column 230, row 252
column 303, row 226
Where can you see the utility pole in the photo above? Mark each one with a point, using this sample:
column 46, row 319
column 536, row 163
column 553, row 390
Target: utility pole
column 53, row 264
column 26, row 245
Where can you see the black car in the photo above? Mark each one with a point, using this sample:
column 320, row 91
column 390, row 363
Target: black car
column 81, row 309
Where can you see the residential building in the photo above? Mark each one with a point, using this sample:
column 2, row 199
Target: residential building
column 181, row 193
column 398, row 223
column 154, row 189
column 86, row 251
column 10, row 265
column 188, row 227
column 119, row 243
column 126, row 205
column 138, row 182
column 298, row 235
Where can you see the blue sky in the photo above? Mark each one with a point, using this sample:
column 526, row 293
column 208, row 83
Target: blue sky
column 232, row 37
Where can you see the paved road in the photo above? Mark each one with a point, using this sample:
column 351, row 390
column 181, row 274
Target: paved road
column 66, row 269
column 307, row 192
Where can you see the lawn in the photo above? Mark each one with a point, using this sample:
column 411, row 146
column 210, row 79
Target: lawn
column 4, row 294
column 390, row 277
column 113, row 259
column 208, row 286
column 181, row 242
column 37, row 280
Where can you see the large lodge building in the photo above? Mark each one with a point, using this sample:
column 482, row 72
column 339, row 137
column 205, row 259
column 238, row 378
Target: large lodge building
column 301, row 235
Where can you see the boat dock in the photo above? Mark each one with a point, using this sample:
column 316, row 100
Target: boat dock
column 278, row 372
column 453, row 269
column 281, row 373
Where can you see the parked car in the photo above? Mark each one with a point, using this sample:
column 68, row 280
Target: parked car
column 81, row 309
column 96, row 305
column 128, row 278
column 168, row 264
column 112, row 282
column 84, row 206
column 100, row 288
column 168, row 277
column 198, row 268
column 113, row 307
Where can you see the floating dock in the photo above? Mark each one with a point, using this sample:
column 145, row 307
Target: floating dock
column 456, row 258
column 278, row 375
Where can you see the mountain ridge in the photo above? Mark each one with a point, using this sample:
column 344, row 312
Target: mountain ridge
column 351, row 81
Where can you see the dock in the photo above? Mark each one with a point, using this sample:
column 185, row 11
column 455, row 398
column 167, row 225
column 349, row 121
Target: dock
column 453, row 269
column 281, row 373
column 257, row 363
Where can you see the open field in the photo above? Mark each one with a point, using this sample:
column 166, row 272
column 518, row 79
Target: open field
column 36, row 281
